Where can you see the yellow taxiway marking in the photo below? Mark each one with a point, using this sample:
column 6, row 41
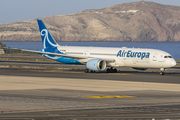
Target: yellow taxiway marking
column 115, row 96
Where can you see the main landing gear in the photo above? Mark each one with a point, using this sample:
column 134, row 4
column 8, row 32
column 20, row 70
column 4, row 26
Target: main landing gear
column 89, row 71
column 111, row 70
column 162, row 71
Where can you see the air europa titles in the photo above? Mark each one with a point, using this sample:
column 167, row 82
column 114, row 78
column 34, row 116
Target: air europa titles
column 123, row 53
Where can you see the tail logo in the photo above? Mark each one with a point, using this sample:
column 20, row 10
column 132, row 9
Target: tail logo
column 44, row 33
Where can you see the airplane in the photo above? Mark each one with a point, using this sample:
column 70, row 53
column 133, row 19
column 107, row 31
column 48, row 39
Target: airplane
column 103, row 58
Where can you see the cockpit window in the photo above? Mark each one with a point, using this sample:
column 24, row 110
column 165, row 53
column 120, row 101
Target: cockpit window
column 167, row 56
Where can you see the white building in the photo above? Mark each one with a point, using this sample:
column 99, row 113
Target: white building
column 1, row 51
column 133, row 11
column 129, row 11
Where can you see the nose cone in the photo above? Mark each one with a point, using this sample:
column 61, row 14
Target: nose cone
column 173, row 63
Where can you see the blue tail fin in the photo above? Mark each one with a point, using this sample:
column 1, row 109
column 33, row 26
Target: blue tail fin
column 47, row 40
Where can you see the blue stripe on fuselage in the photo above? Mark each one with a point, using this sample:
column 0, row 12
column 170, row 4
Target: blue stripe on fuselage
column 68, row 60
column 59, row 59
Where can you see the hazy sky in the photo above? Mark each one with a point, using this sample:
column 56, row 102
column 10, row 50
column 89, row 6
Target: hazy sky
column 20, row 10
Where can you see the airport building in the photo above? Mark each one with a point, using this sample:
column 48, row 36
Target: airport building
column 1, row 51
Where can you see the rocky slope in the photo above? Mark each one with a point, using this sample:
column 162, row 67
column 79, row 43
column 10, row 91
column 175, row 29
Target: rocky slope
column 137, row 21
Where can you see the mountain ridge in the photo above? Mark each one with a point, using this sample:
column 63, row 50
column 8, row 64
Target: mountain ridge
column 131, row 22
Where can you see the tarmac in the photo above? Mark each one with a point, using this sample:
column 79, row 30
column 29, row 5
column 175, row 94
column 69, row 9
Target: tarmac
column 71, row 94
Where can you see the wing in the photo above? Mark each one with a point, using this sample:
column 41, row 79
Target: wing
column 66, row 55
column 56, row 54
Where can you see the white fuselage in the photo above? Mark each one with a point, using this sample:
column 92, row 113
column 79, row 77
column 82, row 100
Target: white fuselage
column 130, row 57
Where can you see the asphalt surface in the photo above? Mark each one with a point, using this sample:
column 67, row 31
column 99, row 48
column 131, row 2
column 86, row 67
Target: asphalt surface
column 137, row 76
column 69, row 104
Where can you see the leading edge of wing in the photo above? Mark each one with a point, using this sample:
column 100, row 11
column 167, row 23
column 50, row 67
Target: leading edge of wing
column 56, row 54
column 65, row 55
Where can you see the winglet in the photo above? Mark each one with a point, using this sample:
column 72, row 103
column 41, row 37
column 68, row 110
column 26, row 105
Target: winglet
column 47, row 40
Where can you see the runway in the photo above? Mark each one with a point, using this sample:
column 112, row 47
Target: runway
column 137, row 76
column 72, row 94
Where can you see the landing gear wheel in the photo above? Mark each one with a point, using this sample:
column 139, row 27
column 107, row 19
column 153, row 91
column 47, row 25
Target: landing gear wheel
column 108, row 70
column 162, row 71
column 86, row 71
column 111, row 70
column 115, row 70
column 89, row 71
column 92, row 71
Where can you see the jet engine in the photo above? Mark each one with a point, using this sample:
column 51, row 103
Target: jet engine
column 96, row 65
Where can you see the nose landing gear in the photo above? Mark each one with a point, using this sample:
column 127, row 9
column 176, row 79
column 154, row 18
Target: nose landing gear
column 111, row 70
column 162, row 71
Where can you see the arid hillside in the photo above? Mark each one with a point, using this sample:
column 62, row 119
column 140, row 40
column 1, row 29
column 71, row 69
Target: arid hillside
column 137, row 21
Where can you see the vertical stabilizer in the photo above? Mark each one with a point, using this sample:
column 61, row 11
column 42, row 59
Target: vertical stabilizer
column 47, row 40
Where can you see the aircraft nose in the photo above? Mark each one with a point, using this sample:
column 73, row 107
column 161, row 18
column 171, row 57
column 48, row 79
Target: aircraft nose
column 173, row 63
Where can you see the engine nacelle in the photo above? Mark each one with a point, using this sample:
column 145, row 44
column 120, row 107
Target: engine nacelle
column 96, row 65
column 140, row 68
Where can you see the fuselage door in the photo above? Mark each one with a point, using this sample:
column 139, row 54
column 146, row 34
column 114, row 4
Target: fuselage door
column 161, row 60
column 86, row 53
column 155, row 55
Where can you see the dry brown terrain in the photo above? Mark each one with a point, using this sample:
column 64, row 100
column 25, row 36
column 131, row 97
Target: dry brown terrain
column 136, row 21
